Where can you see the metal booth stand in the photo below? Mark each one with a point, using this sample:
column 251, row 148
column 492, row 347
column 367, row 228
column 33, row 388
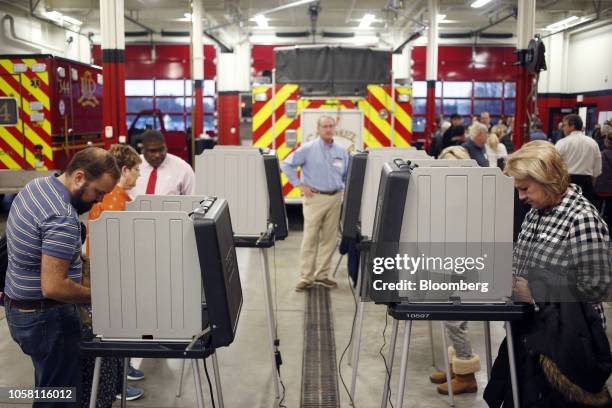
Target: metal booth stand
column 173, row 292
column 429, row 208
column 249, row 179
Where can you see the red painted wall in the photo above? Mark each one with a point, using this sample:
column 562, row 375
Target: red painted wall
column 171, row 62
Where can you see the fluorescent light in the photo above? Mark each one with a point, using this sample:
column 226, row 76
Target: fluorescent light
column 367, row 20
column 71, row 20
column 187, row 16
column 441, row 17
column 61, row 18
column 53, row 15
column 479, row 3
column 566, row 22
column 261, row 20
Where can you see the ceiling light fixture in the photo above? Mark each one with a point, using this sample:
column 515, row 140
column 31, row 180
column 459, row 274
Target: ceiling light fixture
column 61, row 18
column 565, row 23
column 441, row 17
column 261, row 20
column 367, row 20
column 480, row 3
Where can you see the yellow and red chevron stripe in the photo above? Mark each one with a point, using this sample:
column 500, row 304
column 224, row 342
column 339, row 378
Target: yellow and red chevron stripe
column 377, row 129
column 18, row 142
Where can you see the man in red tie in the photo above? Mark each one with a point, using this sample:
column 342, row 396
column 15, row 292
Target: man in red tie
column 162, row 173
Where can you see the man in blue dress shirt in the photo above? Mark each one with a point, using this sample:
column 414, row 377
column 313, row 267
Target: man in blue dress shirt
column 324, row 166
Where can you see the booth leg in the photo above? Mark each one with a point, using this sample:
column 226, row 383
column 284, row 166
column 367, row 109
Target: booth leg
column 217, row 380
column 96, row 381
column 510, row 343
column 447, row 368
column 403, row 365
column 487, row 329
column 198, row 383
column 126, row 363
column 390, row 358
column 179, row 387
column 356, row 347
column 431, row 344
column 357, row 293
column 270, row 310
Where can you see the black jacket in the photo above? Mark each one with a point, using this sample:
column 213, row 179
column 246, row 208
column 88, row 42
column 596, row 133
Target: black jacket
column 562, row 358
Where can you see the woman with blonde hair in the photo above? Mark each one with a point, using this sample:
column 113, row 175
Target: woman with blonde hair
column 561, row 266
column 454, row 153
column 495, row 149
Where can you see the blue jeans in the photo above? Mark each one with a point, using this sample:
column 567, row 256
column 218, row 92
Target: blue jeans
column 51, row 338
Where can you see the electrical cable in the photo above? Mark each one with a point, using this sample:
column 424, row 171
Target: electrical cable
column 385, row 360
column 349, row 343
column 212, row 396
column 277, row 354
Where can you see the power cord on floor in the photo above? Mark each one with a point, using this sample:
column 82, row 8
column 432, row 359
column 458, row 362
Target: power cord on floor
column 349, row 343
column 384, row 359
column 212, row 396
column 277, row 355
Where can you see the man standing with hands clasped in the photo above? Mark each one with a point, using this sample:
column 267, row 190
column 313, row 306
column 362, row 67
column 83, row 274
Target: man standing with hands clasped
column 324, row 166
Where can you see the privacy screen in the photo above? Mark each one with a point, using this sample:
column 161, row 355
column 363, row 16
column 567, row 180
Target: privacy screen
column 324, row 71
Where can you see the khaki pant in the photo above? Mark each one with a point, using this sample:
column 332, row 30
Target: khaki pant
column 321, row 221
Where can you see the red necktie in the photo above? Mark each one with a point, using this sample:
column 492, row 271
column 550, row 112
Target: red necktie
column 152, row 181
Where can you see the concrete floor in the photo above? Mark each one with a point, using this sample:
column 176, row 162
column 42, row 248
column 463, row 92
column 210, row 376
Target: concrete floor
column 246, row 370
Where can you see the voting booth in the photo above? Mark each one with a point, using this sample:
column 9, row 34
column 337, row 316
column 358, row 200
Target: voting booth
column 164, row 284
column 453, row 212
column 249, row 179
column 359, row 208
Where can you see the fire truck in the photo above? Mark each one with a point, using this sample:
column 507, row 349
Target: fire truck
column 50, row 108
column 353, row 85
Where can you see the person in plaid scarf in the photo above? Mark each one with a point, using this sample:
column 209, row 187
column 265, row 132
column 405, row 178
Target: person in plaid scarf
column 562, row 266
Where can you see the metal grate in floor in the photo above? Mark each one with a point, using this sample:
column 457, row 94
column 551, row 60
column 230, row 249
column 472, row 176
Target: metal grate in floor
column 319, row 378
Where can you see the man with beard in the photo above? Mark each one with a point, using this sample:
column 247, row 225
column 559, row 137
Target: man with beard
column 44, row 265
column 162, row 173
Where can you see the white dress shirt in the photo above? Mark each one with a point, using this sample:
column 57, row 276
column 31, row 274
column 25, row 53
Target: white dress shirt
column 581, row 154
column 174, row 177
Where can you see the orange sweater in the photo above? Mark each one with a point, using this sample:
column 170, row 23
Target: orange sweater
column 113, row 201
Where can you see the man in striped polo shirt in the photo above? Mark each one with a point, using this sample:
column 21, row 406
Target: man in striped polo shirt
column 44, row 267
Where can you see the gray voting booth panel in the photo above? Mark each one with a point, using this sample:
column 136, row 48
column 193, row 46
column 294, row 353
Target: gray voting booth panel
column 145, row 275
column 376, row 159
column 444, row 212
column 471, row 205
column 362, row 185
column 237, row 174
column 165, row 203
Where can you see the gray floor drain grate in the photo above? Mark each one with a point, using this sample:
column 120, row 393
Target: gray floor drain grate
column 319, row 380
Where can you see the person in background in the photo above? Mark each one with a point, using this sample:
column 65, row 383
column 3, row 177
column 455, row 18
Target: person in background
column 598, row 136
column 557, row 134
column 324, row 166
column 162, row 173
column 128, row 162
column 496, row 151
column 561, row 266
column 581, row 155
column 464, row 362
column 538, row 132
column 603, row 185
column 506, row 139
column 437, row 139
column 43, row 277
column 454, row 153
column 485, row 119
column 455, row 134
column 475, row 144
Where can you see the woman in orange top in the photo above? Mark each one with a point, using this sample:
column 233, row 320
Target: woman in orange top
column 128, row 161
